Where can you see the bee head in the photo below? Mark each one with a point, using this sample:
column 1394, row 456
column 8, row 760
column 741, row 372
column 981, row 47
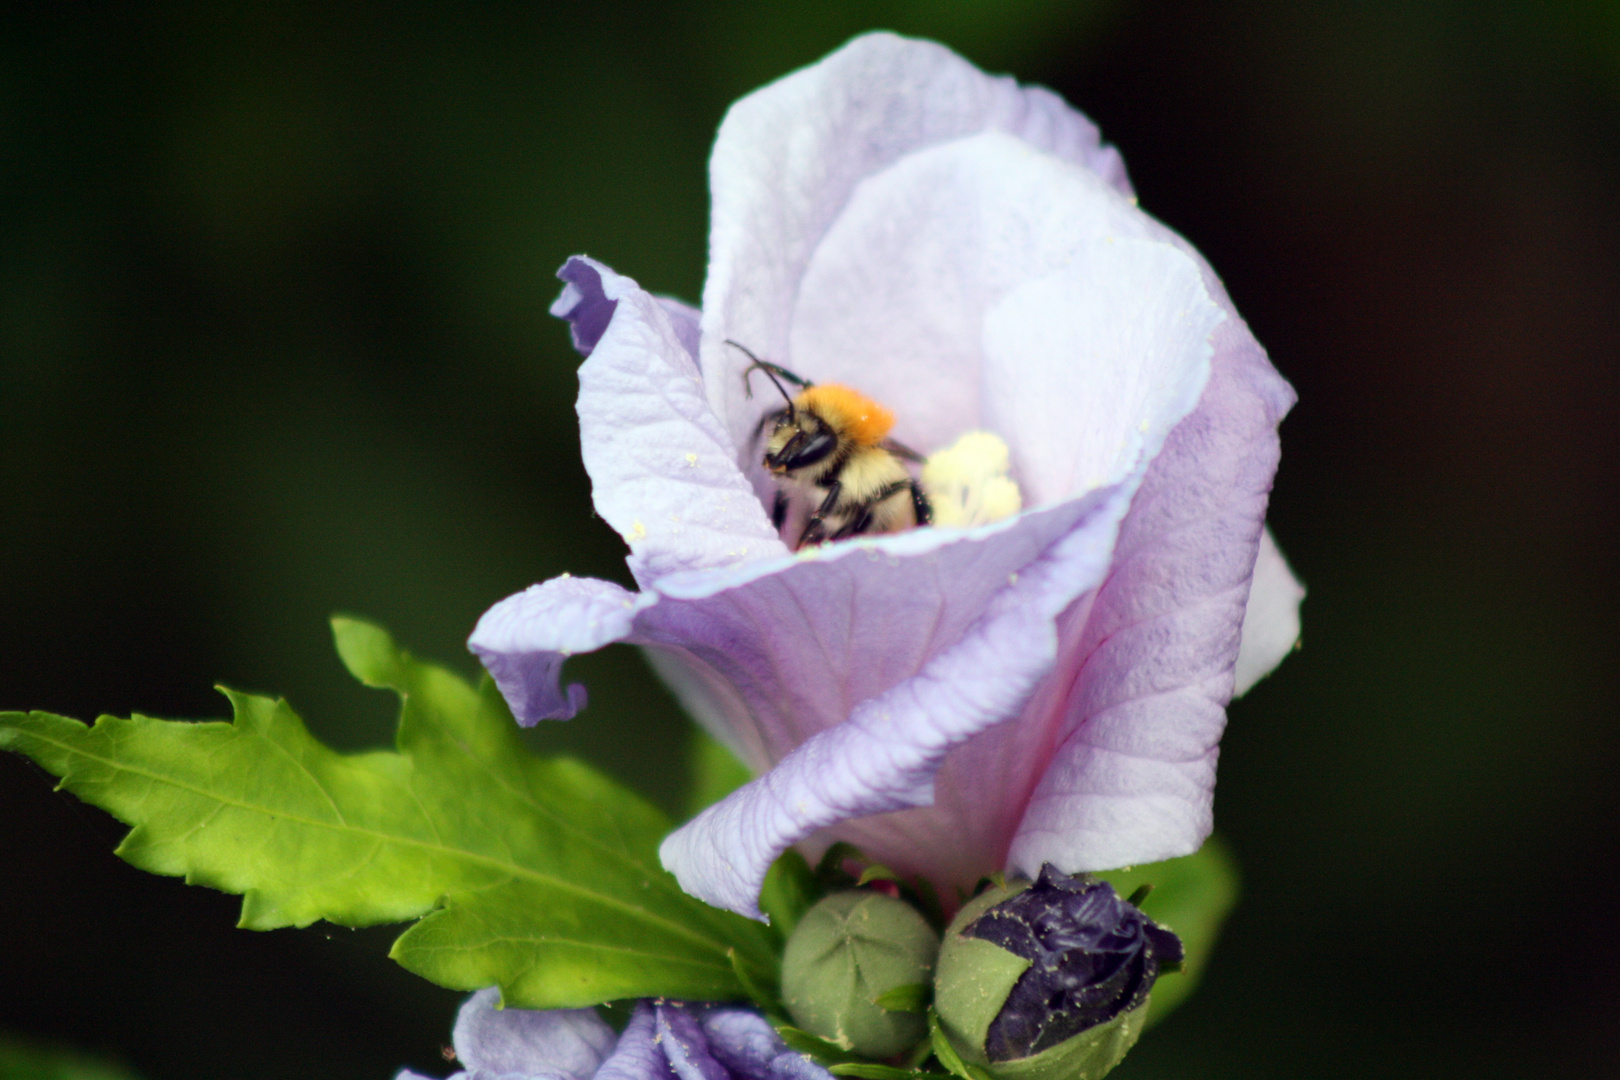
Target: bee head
column 800, row 439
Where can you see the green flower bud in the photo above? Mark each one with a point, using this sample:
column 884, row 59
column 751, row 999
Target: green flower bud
column 848, row 952
column 1049, row 980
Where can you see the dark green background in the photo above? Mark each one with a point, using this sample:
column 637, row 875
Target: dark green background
column 273, row 343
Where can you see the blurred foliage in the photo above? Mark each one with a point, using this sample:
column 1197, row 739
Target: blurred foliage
column 23, row 1059
column 1193, row 896
column 273, row 343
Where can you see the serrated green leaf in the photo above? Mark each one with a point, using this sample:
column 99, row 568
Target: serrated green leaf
column 1191, row 895
column 539, row 875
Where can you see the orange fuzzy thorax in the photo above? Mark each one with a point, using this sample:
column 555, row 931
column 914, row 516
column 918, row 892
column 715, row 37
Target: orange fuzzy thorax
column 848, row 411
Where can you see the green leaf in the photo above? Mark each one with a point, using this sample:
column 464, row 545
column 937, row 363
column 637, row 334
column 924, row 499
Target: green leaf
column 23, row 1059
column 791, row 889
column 869, row 1070
column 946, row 1053
column 715, row 772
column 1191, row 895
column 823, row 1050
column 910, row 998
column 876, row 872
column 538, row 875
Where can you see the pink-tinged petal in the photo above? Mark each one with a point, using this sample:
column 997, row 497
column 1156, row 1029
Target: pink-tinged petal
column 558, row 1044
column 790, row 157
column 524, row 639
column 1271, row 619
column 1163, row 631
column 1103, row 357
column 663, row 472
column 884, row 756
column 1138, row 729
column 770, row 654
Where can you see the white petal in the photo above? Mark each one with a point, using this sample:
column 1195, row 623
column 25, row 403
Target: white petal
column 663, row 471
column 790, row 156
column 1271, row 619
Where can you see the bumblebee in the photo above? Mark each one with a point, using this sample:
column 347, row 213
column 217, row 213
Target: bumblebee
column 830, row 455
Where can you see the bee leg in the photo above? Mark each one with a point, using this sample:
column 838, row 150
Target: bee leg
column 779, row 509
column 857, row 525
column 862, row 522
column 920, row 506
column 815, row 530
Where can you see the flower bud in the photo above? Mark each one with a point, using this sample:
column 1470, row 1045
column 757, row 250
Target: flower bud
column 1049, row 979
column 846, row 953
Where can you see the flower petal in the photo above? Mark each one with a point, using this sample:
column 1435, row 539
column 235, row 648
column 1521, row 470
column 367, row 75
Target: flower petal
column 524, row 639
column 663, row 471
column 789, row 158
column 746, row 1044
column 1103, row 353
column 767, row 654
column 566, row 1044
column 582, row 304
column 681, row 1037
column 897, row 296
column 742, row 1040
column 686, row 321
column 884, row 756
column 1140, row 724
column 638, row 1055
column 891, row 663
column 1088, row 368
column 1271, row 619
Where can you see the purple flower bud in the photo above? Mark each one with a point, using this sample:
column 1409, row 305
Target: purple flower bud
column 1092, row 956
column 1050, row 977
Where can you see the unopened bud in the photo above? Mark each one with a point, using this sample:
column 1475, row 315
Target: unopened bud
column 846, row 954
column 1049, row 979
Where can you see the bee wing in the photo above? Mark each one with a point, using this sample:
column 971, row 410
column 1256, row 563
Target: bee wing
column 902, row 451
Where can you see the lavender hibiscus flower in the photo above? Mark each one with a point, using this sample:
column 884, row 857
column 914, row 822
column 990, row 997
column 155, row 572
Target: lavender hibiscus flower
column 663, row 1041
column 1047, row 688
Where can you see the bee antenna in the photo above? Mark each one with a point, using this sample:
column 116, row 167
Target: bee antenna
column 767, row 368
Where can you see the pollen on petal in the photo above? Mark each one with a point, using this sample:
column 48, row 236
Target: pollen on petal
column 967, row 482
column 850, row 411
